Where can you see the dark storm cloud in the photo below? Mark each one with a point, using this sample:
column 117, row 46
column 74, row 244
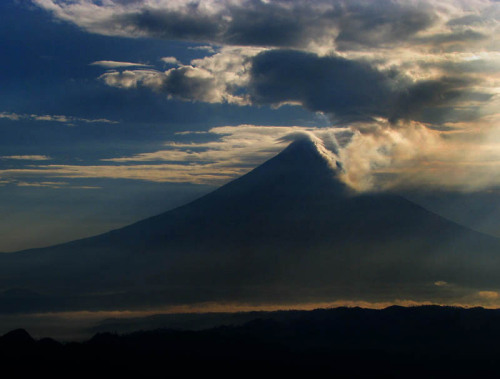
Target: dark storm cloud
column 427, row 94
column 378, row 23
column 345, row 87
column 348, row 89
column 328, row 84
column 258, row 24
column 270, row 25
column 474, row 66
column 472, row 19
column 183, row 83
column 462, row 36
column 277, row 23
column 170, row 25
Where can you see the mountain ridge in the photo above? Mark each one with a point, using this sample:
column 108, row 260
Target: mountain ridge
column 287, row 231
column 299, row 147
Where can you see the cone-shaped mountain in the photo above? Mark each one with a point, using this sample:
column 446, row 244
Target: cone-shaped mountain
column 289, row 231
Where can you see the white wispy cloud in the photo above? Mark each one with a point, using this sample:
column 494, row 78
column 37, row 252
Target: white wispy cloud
column 53, row 118
column 489, row 295
column 198, row 174
column 115, row 64
column 208, row 48
column 231, row 152
column 53, row 185
column 171, row 60
column 441, row 283
column 133, row 78
column 27, row 157
column 218, row 78
column 41, row 184
column 374, row 156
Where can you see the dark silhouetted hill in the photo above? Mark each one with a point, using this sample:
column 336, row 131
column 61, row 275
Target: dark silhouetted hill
column 398, row 342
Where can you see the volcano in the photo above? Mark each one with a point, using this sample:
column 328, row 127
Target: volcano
column 287, row 232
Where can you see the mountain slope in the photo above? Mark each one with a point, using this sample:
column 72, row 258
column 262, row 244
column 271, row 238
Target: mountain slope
column 288, row 231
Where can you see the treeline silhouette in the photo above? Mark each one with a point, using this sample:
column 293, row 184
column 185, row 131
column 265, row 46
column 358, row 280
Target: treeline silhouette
column 428, row 341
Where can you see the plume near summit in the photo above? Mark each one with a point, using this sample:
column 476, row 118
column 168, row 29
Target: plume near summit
column 276, row 153
column 287, row 232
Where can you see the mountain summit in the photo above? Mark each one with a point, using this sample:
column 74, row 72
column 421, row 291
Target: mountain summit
column 287, row 232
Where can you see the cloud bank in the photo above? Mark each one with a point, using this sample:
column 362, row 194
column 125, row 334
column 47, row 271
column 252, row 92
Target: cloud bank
column 416, row 84
column 281, row 23
column 374, row 156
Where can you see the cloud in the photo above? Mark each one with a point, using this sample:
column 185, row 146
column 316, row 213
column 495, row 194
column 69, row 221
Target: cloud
column 412, row 86
column 115, row 64
column 328, row 84
column 217, row 78
column 375, row 156
column 354, row 90
column 489, row 295
column 207, row 48
column 383, row 156
column 282, row 23
column 426, row 95
column 394, row 35
column 53, row 118
column 471, row 19
column 27, row 157
column 53, row 185
column 346, row 24
column 353, row 60
column 345, row 89
column 235, row 148
column 229, row 152
column 351, row 89
column 456, row 37
column 470, row 63
column 12, row 116
column 172, row 173
column 171, row 60
column 41, row 184
column 441, row 283
column 192, row 83
column 381, row 23
column 185, row 83
column 133, row 78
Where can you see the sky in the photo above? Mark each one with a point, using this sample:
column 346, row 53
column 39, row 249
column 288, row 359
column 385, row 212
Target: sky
column 115, row 110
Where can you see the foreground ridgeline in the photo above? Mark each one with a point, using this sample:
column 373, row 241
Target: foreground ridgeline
column 428, row 341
